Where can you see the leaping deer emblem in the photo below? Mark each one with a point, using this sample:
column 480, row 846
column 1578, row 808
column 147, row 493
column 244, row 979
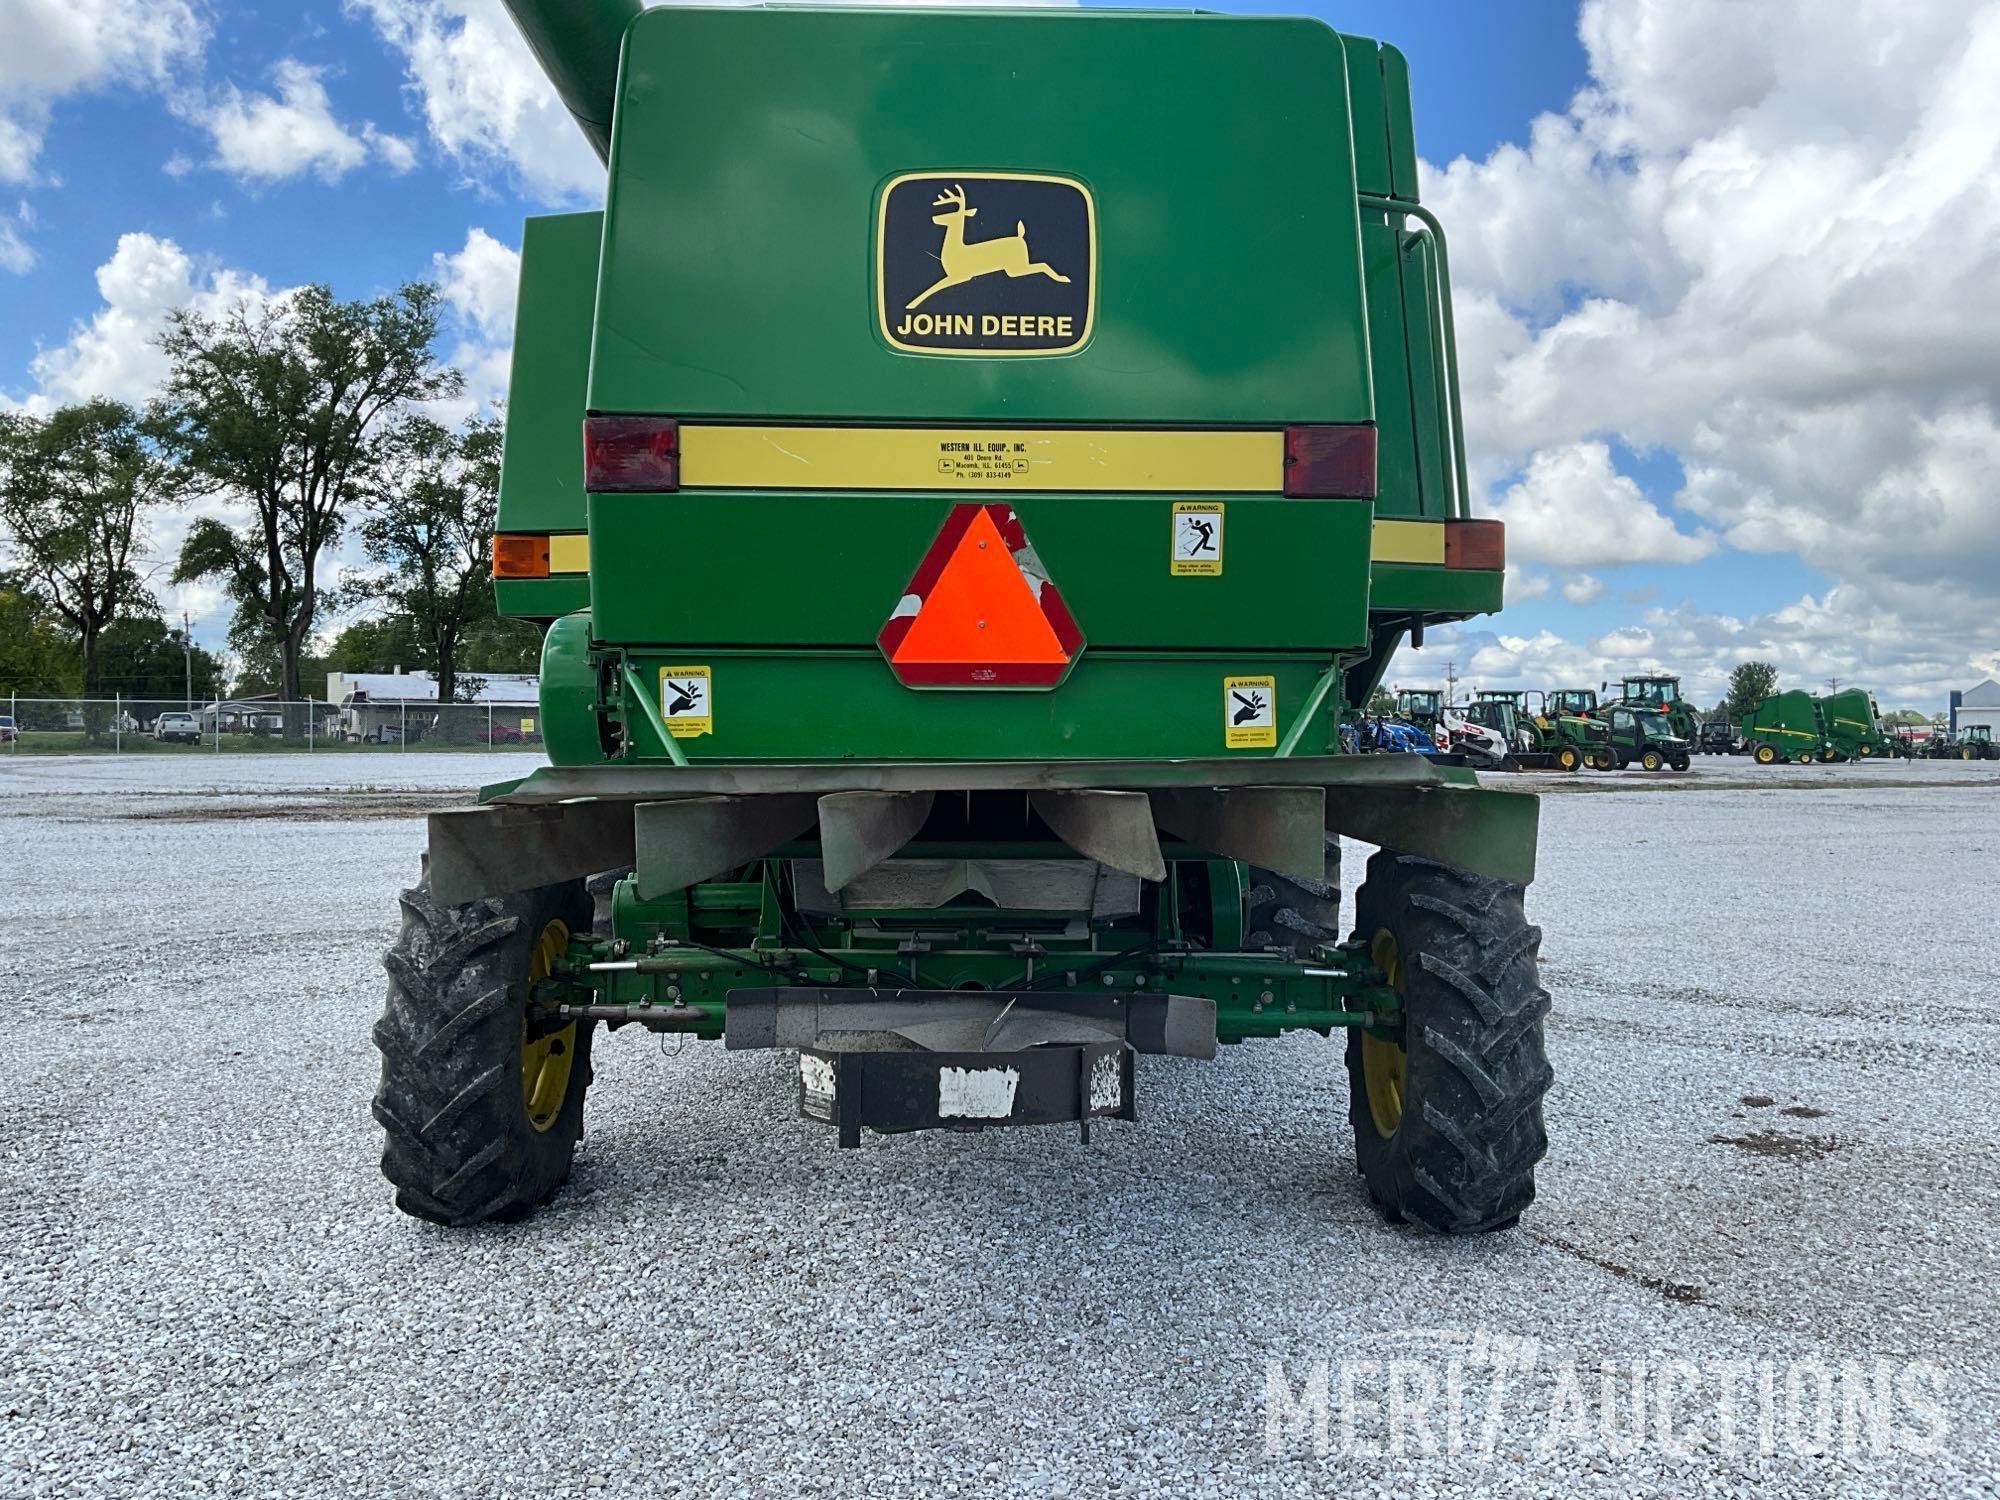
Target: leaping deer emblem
column 962, row 262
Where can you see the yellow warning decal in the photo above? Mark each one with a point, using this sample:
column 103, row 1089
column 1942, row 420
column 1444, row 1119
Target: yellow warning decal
column 980, row 458
column 569, row 554
column 1250, row 713
column 686, row 701
column 1409, row 542
column 1195, row 550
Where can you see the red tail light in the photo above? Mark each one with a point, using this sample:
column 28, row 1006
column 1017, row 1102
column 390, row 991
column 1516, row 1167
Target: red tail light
column 1475, row 544
column 1328, row 462
column 631, row 453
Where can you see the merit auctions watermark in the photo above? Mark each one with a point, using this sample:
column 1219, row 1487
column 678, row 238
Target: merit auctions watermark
column 1446, row 1391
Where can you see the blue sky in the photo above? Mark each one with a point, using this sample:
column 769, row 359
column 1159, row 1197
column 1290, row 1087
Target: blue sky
column 1704, row 447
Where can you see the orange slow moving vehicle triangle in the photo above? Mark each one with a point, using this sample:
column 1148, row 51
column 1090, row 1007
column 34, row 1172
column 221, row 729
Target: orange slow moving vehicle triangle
column 972, row 618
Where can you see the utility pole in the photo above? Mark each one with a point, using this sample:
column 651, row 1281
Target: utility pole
column 1450, row 681
column 1833, row 684
column 187, row 662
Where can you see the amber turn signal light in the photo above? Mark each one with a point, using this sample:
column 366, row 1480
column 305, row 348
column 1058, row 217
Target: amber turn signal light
column 519, row 554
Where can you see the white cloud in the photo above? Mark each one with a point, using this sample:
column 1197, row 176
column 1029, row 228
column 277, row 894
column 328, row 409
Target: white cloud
column 479, row 281
column 267, row 138
column 1573, row 508
column 116, row 353
column 50, row 48
column 16, row 254
column 484, row 98
column 1583, row 588
column 1777, row 261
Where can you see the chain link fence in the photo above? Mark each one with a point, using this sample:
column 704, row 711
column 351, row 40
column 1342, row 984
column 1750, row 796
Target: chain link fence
column 151, row 726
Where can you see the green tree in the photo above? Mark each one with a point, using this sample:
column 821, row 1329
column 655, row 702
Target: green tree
column 75, row 491
column 498, row 644
column 429, row 532
column 284, row 409
column 144, row 660
column 378, row 644
column 36, row 659
column 1750, row 683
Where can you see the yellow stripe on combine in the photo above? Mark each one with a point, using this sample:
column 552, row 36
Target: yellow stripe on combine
column 980, row 459
column 569, row 554
column 1409, row 542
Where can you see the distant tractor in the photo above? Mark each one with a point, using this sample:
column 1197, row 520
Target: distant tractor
column 1716, row 735
column 1645, row 735
column 1662, row 694
column 1786, row 726
column 1975, row 742
column 1420, row 706
column 1579, row 701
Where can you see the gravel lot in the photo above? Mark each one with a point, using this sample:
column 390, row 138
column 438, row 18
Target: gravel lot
column 208, row 1292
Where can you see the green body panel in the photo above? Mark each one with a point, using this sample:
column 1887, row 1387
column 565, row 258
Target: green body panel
column 541, row 598
column 1853, row 726
column 541, row 464
column 736, row 278
column 1790, row 722
column 568, row 690
column 798, row 706
column 831, row 567
column 1434, row 592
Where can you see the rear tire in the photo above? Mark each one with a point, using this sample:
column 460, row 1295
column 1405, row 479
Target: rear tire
column 1652, row 760
column 1765, row 755
column 1283, row 911
column 1471, row 1064
column 460, row 1144
column 1568, row 758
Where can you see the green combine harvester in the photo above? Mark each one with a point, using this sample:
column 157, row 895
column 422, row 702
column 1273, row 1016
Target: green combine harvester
column 963, row 519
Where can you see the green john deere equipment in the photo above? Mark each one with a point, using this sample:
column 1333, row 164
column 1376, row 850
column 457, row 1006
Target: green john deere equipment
column 1786, row 726
column 1420, row 706
column 1662, row 695
column 1854, row 725
column 1581, row 703
column 957, row 566
column 1974, row 742
column 1550, row 737
column 1645, row 735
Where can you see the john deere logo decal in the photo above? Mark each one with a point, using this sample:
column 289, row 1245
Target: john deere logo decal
column 952, row 276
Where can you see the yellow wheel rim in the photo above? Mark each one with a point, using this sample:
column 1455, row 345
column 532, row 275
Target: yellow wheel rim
column 546, row 1059
column 1382, row 1061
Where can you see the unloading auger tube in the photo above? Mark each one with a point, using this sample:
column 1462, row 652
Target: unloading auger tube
column 959, row 575
column 577, row 43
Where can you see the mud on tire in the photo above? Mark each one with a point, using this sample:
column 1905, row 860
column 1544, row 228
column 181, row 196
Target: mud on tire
column 1461, row 1157
column 459, row 1145
column 1284, row 911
